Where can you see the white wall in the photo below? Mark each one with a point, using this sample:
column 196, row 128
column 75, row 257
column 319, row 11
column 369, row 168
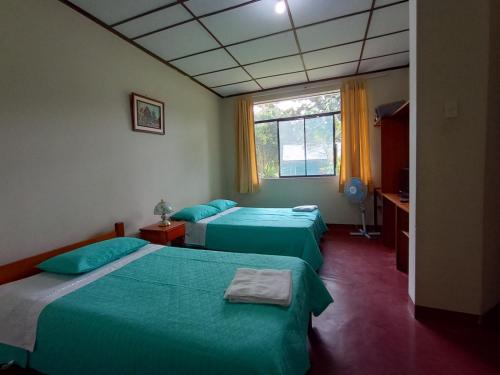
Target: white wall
column 70, row 165
column 414, row 102
column 451, row 65
column 382, row 88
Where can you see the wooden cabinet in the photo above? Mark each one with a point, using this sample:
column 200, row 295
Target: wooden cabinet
column 159, row 235
column 395, row 147
column 395, row 156
column 402, row 253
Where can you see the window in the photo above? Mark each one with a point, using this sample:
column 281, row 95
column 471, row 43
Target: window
column 298, row 137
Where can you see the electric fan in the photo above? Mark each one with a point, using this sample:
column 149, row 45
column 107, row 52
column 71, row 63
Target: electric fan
column 356, row 192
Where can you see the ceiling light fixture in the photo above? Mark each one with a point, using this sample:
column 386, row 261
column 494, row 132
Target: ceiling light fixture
column 280, row 7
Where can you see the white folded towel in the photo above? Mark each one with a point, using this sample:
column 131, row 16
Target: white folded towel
column 305, row 208
column 261, row 286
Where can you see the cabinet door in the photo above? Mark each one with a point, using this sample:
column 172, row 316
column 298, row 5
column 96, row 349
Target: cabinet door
column 402, row 241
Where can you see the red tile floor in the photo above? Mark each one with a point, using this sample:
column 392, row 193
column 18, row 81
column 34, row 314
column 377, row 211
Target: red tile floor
column 369, row 328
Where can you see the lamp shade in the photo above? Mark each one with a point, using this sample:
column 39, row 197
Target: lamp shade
column 163, row 208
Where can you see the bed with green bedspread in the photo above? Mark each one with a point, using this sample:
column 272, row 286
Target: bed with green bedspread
column 165, row 314
column 277, row 231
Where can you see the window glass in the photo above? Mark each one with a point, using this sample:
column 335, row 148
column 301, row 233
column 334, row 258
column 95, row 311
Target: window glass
column 338, row 140
column 319, row 146
column 297, row 107
column 266, row 143
column 298, row 137
column 292, row 150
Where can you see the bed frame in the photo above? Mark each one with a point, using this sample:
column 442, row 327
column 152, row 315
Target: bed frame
column 27, row 267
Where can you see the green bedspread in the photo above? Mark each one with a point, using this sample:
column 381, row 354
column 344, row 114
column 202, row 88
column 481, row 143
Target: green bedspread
column 278, row 231
column 165, row 314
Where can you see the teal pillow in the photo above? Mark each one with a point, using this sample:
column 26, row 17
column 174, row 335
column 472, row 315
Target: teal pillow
column 195, row 213
column 90, row 257
column 222, row 204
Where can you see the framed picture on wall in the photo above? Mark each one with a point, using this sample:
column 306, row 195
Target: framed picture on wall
column 147, row 114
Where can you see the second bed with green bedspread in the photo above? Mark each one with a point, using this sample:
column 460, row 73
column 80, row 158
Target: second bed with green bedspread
column 276, row 231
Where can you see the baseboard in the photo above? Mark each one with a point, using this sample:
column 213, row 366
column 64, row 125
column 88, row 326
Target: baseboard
column 491, row 317
column 341, row 226
column 424, row 313
column 351, row 227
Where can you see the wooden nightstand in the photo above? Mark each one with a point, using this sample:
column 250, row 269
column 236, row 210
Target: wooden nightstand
column 174, row 233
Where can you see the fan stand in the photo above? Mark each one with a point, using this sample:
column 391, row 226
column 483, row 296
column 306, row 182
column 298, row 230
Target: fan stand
column 363, row 232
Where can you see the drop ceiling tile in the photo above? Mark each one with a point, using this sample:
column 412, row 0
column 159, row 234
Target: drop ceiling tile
column 247, row 22
column 278, row 66
column 154, row 21
column 303, row 12
column 266, row 48
column 389, row 19
column 333, row 71
column 283, row 80
column 179, row 41
column 238, row 88
column 331, row 33
column 201, row 7
column 205, row 62
column 385, row 62
column 112, row 11
column 224, row 77
column 335, row 55
column 386, row 44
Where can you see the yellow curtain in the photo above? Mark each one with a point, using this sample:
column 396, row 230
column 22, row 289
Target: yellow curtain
column 247, row 177
column 355, row 160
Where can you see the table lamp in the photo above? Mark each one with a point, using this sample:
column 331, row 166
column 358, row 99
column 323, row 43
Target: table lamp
column 163, row 208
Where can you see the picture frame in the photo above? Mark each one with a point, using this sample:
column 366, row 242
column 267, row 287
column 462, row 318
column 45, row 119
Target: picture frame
column 148, row 115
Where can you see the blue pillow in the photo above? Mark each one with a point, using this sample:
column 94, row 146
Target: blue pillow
column 195, row 213
column 222, row 204
column 90, row 257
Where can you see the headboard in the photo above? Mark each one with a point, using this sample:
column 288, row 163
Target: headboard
column 27, row 267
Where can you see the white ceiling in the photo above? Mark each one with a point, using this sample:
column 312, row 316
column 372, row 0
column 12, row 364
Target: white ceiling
column 269, row 47
column 278, row 66
column 238, row 46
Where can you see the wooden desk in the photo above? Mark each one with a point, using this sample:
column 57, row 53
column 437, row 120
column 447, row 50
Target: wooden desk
column 394, row 198
column 395, row 227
